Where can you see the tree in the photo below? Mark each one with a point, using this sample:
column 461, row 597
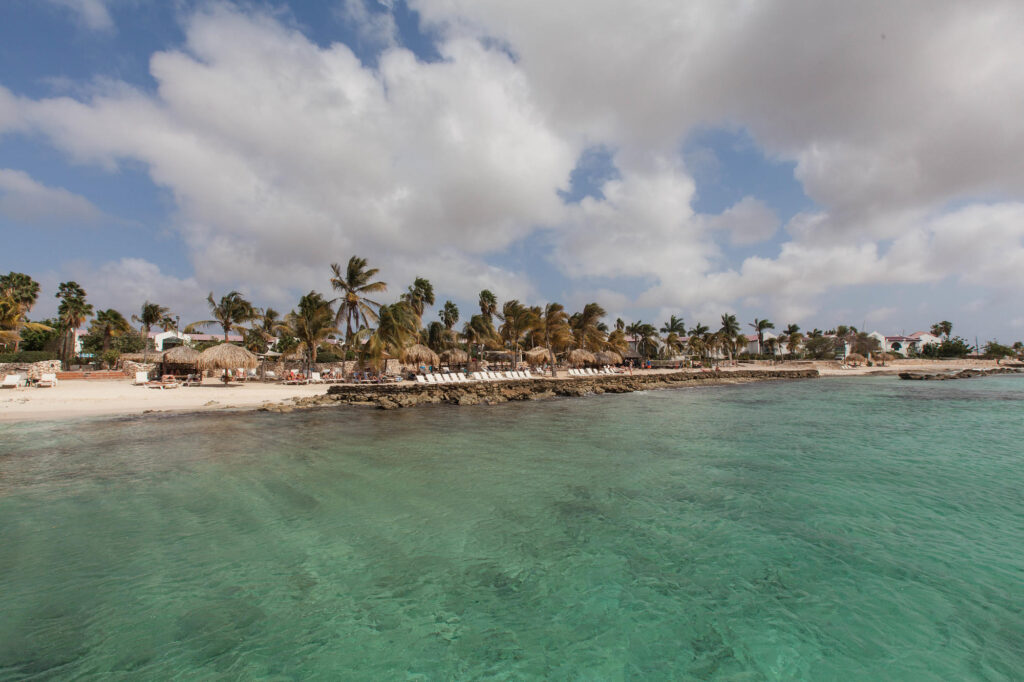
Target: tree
column 994, row 349
column 729, row 329
column 397, row 329
column 479, row 332
column 760, row 326
column 231, row 311
column 792, row 338
column 419, row 296
column 38, row 336
column 944, row 329
column 109, row 324
column 821, row 347
column 516, row 321
column 645, row 335
column 354, row 305
column 72, row 312
column 553, row 328
column 488, row 304
column 586, row 328
column 18, row 294
column 311, row 324
column 436, row 336
column 865, row 344
column 449, row 314
column 149, row 316
column 674, row 325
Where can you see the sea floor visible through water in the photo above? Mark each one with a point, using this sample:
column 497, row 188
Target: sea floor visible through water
column 841, row 529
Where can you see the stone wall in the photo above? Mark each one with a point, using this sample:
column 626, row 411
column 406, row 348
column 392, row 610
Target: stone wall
column 406, row 394
column 33, row 370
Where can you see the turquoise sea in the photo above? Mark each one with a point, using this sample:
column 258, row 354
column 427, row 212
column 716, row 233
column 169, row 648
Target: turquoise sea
column 837, row 529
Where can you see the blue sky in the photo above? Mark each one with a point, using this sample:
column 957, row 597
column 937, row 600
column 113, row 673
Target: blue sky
column 164, row 150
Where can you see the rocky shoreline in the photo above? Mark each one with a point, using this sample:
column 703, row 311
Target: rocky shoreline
column 962, row 374
column 393, row 396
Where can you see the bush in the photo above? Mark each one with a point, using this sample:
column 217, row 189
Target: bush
column 28, row 356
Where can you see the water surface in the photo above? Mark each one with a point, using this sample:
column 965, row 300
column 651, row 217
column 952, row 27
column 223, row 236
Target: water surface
column 852, row 529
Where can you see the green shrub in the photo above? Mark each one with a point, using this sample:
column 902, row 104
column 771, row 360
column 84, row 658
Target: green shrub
column 28, row 356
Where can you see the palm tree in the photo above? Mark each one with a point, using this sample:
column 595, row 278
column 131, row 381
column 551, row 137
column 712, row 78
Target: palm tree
column 645, row 336
column 488, row 304
column 697, row 345
column 760, row 326
column 419, row 296
column 397, row 329
column 436, row 337
column 587, row 329
column 479, row 332
column 792, row 337
column 729, row 329
column 231, row 311
column 109, row 324
column 149, row 316
column 311, row 324
column 354, row 286
column 71, row 314
column 517, row 320
column 18, row 294
column 553, row 329
column 944, row 328
column 449, row 314
column 674, row 325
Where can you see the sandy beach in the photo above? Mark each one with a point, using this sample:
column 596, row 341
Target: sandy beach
column 80, row 399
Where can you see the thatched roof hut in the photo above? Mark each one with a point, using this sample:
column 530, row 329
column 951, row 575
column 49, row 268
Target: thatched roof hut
column 418, row 354
column 536, row 356
column 608, row 357
column 455, row 356
column 181, row 355
column 855, row 359
column 226, row 356
column 580, row 357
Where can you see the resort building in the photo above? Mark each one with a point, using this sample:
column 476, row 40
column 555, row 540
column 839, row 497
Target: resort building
column 166, row 340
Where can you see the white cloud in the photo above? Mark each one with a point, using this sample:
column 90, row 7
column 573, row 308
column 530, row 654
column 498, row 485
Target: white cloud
column 28, row 202
column 93, row 14
column 283, row 155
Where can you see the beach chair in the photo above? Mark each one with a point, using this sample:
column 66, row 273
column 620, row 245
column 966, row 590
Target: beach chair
column 420, row 379
column 47, row 381
column 193, row 380
column 463, row 379
column 572, row 372
column 529, row 374
column 429, row 378
column 448, row 378
column 12, row 381
column 269, row 375
column 314, row 378
column 141, row 379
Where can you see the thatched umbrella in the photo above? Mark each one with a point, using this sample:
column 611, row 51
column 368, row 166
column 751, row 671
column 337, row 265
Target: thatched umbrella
column 455, row 356
column 855, row 358
column 226, row 356
column 580, row 357
column 608, row 357
column 181, row 355
column 536, row 356
column 418, row 354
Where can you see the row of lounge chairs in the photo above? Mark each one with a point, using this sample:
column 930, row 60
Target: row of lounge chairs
column 21, row 381
column 458, row 378
column 590, row 372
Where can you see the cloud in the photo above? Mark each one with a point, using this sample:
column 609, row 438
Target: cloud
column 92, row 14
column 25, row 201
column 283, row 155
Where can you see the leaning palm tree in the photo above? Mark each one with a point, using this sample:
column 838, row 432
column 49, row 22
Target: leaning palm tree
column 553, row 330
column 354, row 285
column 419, row 296
column 480, row 332
column 516, row 321
column 449, row 314
column 149, row 316
column 587, row 331
column 792, row 338
column 311, row 324
column 760, row 326
column 108, row 325
column 231, row 311
column 729, row 329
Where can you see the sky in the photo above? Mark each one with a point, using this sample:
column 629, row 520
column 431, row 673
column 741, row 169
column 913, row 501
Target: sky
column 817, row 163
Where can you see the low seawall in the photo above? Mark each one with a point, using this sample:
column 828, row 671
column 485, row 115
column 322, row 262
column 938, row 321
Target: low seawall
column 392, row 396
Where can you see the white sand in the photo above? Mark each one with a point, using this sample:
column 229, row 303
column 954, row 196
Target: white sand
column 82, row 398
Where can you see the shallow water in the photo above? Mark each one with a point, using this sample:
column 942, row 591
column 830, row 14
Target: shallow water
column 851, row 529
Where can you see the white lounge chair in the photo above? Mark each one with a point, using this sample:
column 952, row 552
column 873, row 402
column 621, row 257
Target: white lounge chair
column 314, row 378
column 12, row 381
column 429, row 378
column 141, row 379
column 462, row 378
column 420, row 379
column 439, row 379
column 528, row 373
column 47, row 381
